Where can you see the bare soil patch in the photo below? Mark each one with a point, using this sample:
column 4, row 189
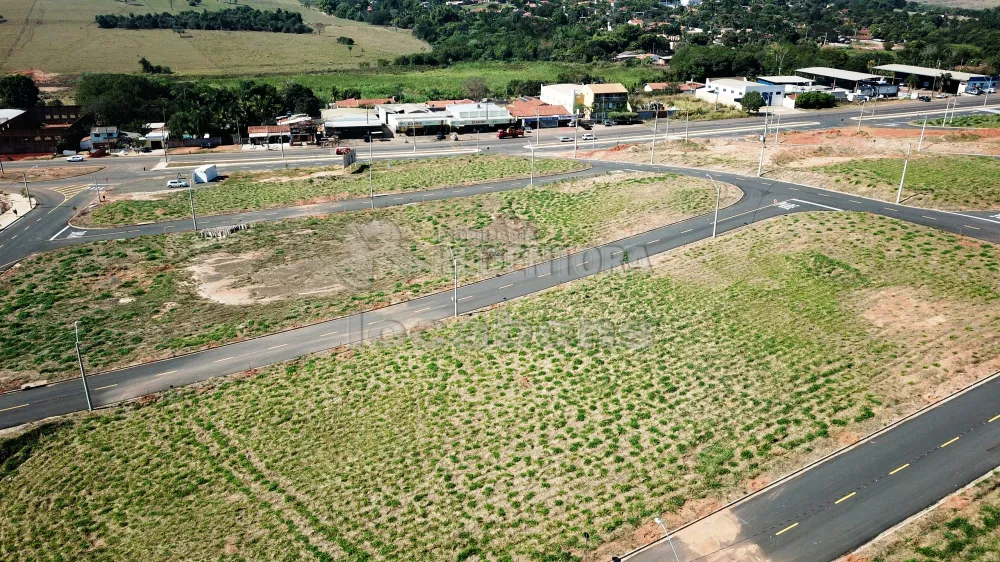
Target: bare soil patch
column 48, row 174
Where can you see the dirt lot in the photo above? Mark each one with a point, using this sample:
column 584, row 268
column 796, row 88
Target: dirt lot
column 868, row 163
column 47, row 174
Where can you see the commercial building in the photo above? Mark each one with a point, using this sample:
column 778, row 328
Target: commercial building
column 41, row 130
column 536, row 113
column 929, row 78
column 847, row 79
column 471, row 116
column 569, row 96
column 730, row 91
column 787, row 81
column 602, row 100
column 354, row 123
column 269, row 134
column 411, row 118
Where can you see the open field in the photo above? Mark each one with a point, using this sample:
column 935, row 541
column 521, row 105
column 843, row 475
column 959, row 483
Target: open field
column 448, row 82
column 508, row 435
column 157, row 296
column 49, row 35
column 262, row 190
column 868, row 164
column 965, row 527
column 983, row 121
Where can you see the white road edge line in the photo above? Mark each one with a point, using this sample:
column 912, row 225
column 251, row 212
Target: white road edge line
column 58, row 233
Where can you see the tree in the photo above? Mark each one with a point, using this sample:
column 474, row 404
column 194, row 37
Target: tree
column 752, row 102
column 18, row 91
column 476, row 88
column 297, row 98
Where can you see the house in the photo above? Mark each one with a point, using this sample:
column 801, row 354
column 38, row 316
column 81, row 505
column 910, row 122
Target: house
column 442, row 105
column 536, row 113
column 601, row 100
column 636, row 21
column 729, row 91
column 40, row 130
column 269, row 134
column 103, row 137
column 569, row 96
column 683, row 88
column 355, row 103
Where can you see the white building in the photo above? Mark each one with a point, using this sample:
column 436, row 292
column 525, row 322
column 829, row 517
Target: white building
column 486, row 114
column 729, row 91
column 567, row 95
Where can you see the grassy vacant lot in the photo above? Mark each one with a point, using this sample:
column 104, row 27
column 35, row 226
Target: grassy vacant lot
column 51, row 35
column 965, row 527
column 697, row 109
column 990, row 121
column 448, row 82
column 964, row 182
column 248, row 191
column 137, row 299
column 507, row 436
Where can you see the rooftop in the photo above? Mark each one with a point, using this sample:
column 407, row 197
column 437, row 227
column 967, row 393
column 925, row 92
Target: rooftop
column 837, row 73
column 614, row 88
column 785, row 79
column 925, row 71
column 8, row 114
column 564, row 88
column 532, row 107
column 732, row 82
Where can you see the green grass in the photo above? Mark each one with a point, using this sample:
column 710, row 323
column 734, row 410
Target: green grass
column 508, row 435
column 697, row 109
column 243, row 192
column 418, row 83
column 57, row 32
column 139, row 299
column 942, row 181
column 990, row 121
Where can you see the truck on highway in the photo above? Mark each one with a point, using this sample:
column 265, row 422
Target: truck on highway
column 510, row 133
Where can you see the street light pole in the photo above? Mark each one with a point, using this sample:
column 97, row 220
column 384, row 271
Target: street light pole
column 899, row 194
column 760, row 165
column 920, row 145
column 669, row 540
column 776, row 128
column 454, row 260
column 24, row 176
column 532, row 180
column 371, row 180
column 862, row 118
column 83, row 374
column 576, row 128
column 537, row 126
column 194, row 218
column 718, row 199
column 687, row 121
column 652, row 147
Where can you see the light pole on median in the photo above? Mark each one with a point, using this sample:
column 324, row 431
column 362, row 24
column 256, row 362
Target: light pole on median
column 576, row 128
column 454, row 260
column 718, row 199
column 531, row 181
column 899, row 194
column 194, row 217
column 83, row 374
column 687, row 121
column 776, row 128
column 760, row 165
column 669, row 540
column 371, row 180
column 920, row 145
column 24, row 176
column 652, row 147
column 537, row 126
column 862, row 118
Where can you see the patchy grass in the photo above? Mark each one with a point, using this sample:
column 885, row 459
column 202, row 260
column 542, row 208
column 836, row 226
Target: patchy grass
column 989, row 121
column 506, row 436
column 965, row 527
column 250, row 191
column 947, row 181
column 155, row 296
column 698, row 110
column 48, row 35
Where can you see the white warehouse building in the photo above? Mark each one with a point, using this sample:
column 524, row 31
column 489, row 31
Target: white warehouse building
column 729, row 91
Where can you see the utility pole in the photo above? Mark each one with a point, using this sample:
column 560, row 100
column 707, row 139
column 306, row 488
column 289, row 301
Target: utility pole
column 532, row 181
column 194, row 218
column 862, row 118
column 923, row 128
column 899, row 194
column 371, row 180
column 166, row 137
column 454, row 259
column 652, row 147
column 666, row 534
column 718, row 199
column 687, row 120
column 760, row 165
column 24, row 176
column 477, row 140
column 576, row 128
column 666, row 133
column 83, row 374
column 538, row 125
column 776, row 128
column 954, row 108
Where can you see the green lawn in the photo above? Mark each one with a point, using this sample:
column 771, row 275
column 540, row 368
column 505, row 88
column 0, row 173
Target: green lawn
column 245, row 191
column 936, row 181
column 151, row 297
column 506, row 436
column 50, row 35
column 990, row 121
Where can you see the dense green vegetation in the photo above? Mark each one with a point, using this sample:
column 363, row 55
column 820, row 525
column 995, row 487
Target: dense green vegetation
column 240, row 18
column 944, row 181
column 510, row 435
column 989, row 121
column 245, row 192
column 140, row 298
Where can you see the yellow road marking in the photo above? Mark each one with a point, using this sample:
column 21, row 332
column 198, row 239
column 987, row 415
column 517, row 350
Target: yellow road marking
column 103, row 387
column 788, row 528
column 898, row 469
column 167, row 373
column 994, row 418
column 950, row 442
column 221, row 360
column 848, row 496
column 277, row 346
column 13, row 408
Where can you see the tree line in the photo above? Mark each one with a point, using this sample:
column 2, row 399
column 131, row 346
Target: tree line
column 241, row 18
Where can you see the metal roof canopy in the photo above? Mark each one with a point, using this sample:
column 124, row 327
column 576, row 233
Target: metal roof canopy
column 838, row 74
column 929, row 72
column 784, row 79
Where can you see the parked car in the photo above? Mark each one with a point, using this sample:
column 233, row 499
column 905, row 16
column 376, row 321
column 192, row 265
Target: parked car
column 440, row 136
column 178, row 183
column 75, row 158
column 941, row 96
column 528, row 129
column 608, row 123
column 565, row 139
column 584, row 125
column 207, row 144
column 571, row 123
column 588, row 136
column 924, row 98
column 342, row 150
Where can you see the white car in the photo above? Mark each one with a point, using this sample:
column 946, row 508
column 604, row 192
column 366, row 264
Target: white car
column 75, row 158
column 588, row 136
column 178, row 183
column 565, row 139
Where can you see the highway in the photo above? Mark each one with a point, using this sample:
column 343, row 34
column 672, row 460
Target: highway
column 816, row 515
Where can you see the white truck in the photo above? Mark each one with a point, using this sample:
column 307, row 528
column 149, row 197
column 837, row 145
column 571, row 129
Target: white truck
column 205, row 174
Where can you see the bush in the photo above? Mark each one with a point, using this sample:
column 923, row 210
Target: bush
column 815, row 100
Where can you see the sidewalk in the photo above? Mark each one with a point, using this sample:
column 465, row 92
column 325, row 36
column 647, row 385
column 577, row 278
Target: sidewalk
column 20, row 208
